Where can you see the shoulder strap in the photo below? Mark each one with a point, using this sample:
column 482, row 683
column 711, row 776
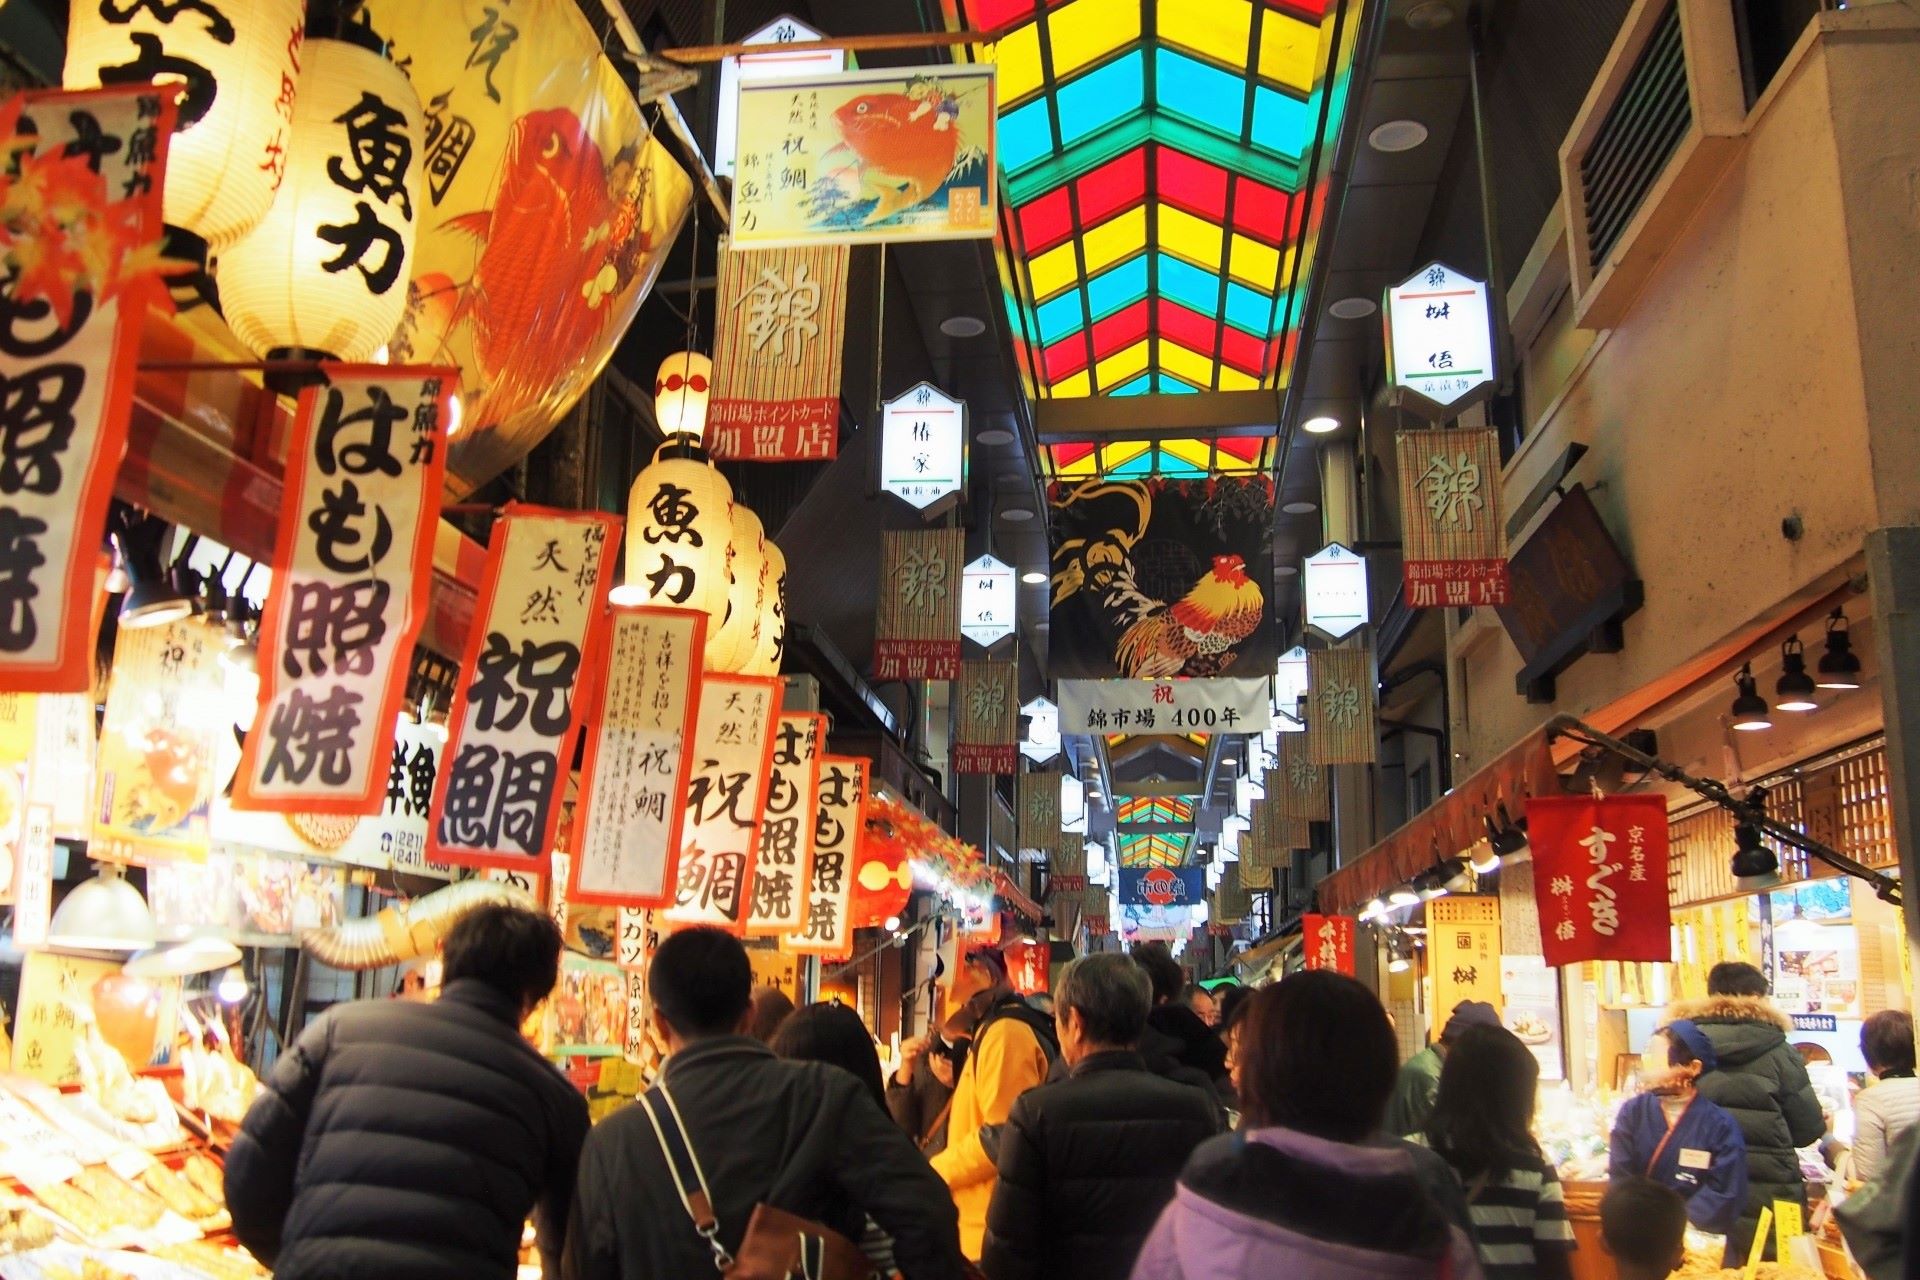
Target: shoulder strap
column 689, row 1179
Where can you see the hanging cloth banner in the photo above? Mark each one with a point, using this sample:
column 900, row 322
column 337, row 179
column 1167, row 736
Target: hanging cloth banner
column 1037, row 796
column 1065, row 906
column 1269, row 843
column 776, row 354
column 626, row 823
column 352, row 569
column 1298, row 788
column 1166, row 706
column 917, row 636
column 784, row 863
column 83, row 240
column 1097, row 910
column 1451, row 518
column 1600, row 877
column 1067, row 872
column 1231, row 903
column 1328, row 943
column 513, row 718
column 1255, row 875
column 987, row 720
column 1162, row 886
column 1463, row 949
column 732, row 755
column 839, row 819
column 165, row 719
column 1343, row 707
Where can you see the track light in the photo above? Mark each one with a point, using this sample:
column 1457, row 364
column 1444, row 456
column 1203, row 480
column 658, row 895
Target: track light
column 1749, row 708
column 1793, row 691
column 1375, row 910
column 1754, row 865
column 155, row 594
column 1839, row 665
column 1505, row 837
column 1431, row 884
column 1404, row 896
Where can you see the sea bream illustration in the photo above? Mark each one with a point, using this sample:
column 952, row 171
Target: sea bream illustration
column 904, row 146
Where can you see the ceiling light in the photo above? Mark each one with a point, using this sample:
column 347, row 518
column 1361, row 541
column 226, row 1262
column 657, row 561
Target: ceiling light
column 1839, row 665
column 1285, row 571
column 1794, row 690
column 1033, row 577
column 1430, row 15
column 1399, row 963
column 1404, row 896
column 1354, row 308
column 1321, row 425
column 232, row 987
column 963, row 326
column 1397, row 135
column 1300, row 508
column 1375, row 909
column 994, row 435
column 103, row 913
column 1749, row 708
column 1018, row 515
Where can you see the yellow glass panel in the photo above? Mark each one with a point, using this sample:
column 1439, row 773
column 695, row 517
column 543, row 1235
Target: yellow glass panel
column 1086, row 29
column 1216, row 28
column 1195, row 239
column 1195, row 453
column 1255, row 264
column 1113, row 240
column 1018, row 57
column 1183, row 363
column 1289, row 50
column 1076, row 385
column 1121, row 365
column 1079, row 467
column 1231, row 379
column 1115, row 456
column 1052, row 271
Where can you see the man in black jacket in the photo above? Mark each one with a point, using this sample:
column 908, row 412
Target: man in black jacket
column 1176, row 1036
column 801, row 1136
column 410, row 1141
column 1087, row 1164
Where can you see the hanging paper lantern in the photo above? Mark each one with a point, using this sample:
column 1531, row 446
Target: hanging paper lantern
column 772, row 644
column 679, row 525
column 325, row 272
column 237, row 62
column 732, row 648
column 680, row 393
column 882, row 883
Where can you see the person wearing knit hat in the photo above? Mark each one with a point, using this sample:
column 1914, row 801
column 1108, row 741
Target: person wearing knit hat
column 1675, row 1136
column 1419, row 1080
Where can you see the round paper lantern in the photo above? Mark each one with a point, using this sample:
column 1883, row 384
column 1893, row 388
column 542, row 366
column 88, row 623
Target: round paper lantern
column 773, row 616
column 128, row 1013
column 325, row 272
column 679, row 525
column 732, row 648
column 238, row 63
column 680, row 393
column 882, row 883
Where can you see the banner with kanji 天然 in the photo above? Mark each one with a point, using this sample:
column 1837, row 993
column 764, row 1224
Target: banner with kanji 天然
column 776, row 354
column 81, row 249
column 986, row 716
column 784, row 862
column 1342, row 707
column 515, row 715
column 352, row 569
column 1451, row 519
column 917, row 634
column 1600, row 877
column 731, row 755
column 839, row 820
column 1298, row 787
column 1327, row 942
column 1037, row 804
column 626, row 824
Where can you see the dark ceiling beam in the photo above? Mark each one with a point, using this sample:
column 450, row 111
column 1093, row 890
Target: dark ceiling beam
column 1221, row 413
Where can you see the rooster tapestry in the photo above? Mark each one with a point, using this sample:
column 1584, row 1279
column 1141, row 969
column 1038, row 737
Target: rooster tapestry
column 1163, row 578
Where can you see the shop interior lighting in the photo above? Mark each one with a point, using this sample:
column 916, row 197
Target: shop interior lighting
column 1793, row 691
column 232, row 987
column 1754, row 865
column 1459, row 876
column 1375, row 910
column 103, row 913
column 1398, row 958
column 201, row 953
column 156, row 595
column 1749, row 710
column 1404, row 896
column 1839, row 665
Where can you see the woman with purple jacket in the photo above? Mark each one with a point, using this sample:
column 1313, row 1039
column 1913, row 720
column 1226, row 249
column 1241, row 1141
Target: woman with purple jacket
column 1302, row 1190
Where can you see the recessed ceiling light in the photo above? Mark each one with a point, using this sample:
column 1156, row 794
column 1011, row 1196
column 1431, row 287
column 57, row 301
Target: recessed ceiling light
column 1285, row 571
column 1300, row 508
column 963, row 326
column 1033, row 577
column 1321, row 425
column 994, row 435
column 1354, row 308
column 1019, row 515
column 1430, row 15
column 1397, row 135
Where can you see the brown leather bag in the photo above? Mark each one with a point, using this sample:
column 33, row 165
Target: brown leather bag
column 778, row 1245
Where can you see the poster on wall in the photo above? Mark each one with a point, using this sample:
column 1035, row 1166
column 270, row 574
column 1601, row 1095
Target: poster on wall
column 730, row 758
column 166, row 715
column 256, row 899
column 1532, row 1010
column 776, row 354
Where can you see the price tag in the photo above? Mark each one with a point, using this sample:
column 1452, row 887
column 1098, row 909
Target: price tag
column 1788, row 1226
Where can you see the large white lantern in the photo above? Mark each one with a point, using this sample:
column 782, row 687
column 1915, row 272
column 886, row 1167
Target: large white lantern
column 773, row 616
column 731, row 649
column 680, row 393
column 238, row 61
column 679, row 526
column 325, row 273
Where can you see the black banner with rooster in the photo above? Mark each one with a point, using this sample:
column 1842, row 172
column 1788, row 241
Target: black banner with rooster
column 1163, row 578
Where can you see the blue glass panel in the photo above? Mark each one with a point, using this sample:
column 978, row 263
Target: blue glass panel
column 1117, row 287
column 1101, row 97
column 1140, row 466
column 1025, row 136
column 1203, row 94
column 1177, row 468
column 1140, row 386
column 1168, row 385
column 1249, row 310
column 1188, row 285
column 1281, row 123
column 1061, row 317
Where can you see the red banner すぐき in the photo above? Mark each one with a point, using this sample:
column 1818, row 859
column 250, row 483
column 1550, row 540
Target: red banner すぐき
column 1600, row 877
column 1327, row 943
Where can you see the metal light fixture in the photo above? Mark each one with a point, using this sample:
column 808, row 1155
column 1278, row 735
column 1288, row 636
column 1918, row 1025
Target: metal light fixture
column 1375, row 910
column 139, row 542
column 1403, row 896
column 103, row 913
column 1793, row 691
column 1750, row 711
column 1458, row 876
column 1754, row 865
column 1505, row 837
column 1839, row 665
column 202, row 953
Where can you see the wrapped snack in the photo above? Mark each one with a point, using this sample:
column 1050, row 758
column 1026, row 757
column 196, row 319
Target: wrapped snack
column 206, row 1176
column 22, row 1227
column 183, row 1197
column 126, row 1202
column 213, row 1261
column 80, row 1210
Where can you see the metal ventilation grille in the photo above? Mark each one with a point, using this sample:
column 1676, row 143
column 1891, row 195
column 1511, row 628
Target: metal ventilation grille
column 1638, row 137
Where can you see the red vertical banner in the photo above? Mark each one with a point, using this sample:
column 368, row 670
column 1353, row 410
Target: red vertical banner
column 839, row 820
column 1029, row 966
column 1328, row 942
column 80, row 252
column 784, row 863
column 352, row 569
column 731, row 756
column 513, row 719
column 1600, row 877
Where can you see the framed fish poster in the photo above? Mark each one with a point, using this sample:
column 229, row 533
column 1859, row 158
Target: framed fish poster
column 864, row 157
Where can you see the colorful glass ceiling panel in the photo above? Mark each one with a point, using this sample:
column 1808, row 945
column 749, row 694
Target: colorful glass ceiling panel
column 1160, row 809
column 1153, row 851
column 1168, row 459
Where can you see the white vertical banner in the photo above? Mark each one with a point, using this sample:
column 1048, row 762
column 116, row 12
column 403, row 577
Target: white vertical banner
column 840, row 818
column 785, row 859
column 732, row 755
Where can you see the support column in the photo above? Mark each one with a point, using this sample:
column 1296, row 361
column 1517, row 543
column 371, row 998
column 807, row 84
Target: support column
column 1893, row 578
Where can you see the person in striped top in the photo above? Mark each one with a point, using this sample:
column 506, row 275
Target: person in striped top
column 1482, row 1125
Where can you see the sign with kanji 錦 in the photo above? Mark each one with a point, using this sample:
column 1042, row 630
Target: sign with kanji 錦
column 839, row 820
column 1463, row 950
column 1327, row 942
column 784, row 864
column 1298, row 787
column 1219, row 704
column 1231, row 901
column 731, row 757
column 1067, row 869
column 1451, row 519
column 1342, row 708
column 1439, row 340
column 987, row 718
column 1334, row 585
column 987, row 601
column 923, row 446
column 917, row 634
column 1600, row 877
column 1037, row 800
column 776, row 355
column 352, row 570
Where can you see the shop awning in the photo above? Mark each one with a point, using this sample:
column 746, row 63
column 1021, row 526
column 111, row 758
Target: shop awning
column 1449, row 828
column 1012, row 898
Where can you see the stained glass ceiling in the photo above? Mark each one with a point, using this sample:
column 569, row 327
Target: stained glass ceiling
column 1161, row 809
column 1154, row 851
column 1171, row 459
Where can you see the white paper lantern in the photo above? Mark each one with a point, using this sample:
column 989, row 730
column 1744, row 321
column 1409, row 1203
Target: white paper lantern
column 238, row 60
column 679, row 525
column 326, row 270
column 773, row 616
column 680, row 393
column 731, row 650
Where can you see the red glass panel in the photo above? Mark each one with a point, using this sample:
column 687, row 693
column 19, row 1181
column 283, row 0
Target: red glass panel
column 1065, row 455
column 1066, row 357
column 987, row 14
column 1245, row 448
column 1194, row 185
column 1045, row 222
column 1311, row 10
column 1118, row 184
column 1242, row 350
column 1190, row 329
column 1260, row 210
column 1120, row 330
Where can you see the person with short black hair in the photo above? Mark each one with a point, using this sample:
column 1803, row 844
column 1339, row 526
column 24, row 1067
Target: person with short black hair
column 1678, row 1138
column 803, row 1137
column 1177, row 1037
column 1888, row 1107
column 410, row 1140
column 1643, row 1225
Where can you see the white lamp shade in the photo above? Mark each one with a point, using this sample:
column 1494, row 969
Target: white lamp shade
column 679, row 525
column 235, row 123
column 773, row 622
column 732, row 647
column 103, row 913
column 326, row 270
column 680, row 393
column 202, row 953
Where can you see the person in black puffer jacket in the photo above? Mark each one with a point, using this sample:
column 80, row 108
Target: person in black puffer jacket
column 1762, row 1081
column 1087, row 1164
column 1176, row 1036
column 410, row 1141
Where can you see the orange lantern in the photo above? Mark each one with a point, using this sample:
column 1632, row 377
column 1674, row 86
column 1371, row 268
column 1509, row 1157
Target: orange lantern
column 882, row 883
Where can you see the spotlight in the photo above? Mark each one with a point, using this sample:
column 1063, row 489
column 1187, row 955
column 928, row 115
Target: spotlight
column 892, row 924
column 1749, row 708
column 1647, row 743
column 1839, row 665
column 1458, row 876
column 232, row 987
column 1430, row 884
column 1375, row 910
column 1794, row 690
column 1754, row 865
column 1398, row 961
column 1505, row 837
column 1404, row 896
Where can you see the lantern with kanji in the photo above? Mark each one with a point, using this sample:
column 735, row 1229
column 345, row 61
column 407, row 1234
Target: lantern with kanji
column 773, row 616
column 238, row 63
column 325, row 273
column 679, row 526
column 733, row 646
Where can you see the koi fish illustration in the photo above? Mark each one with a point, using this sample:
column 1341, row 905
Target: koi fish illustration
column 904, row 146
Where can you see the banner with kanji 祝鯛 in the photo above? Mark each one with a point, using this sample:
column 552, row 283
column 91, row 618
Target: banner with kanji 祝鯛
column 1600, row 877
column 731, row 755
column 917, row 634
column 986, row 716
column 1327, row 942
column 839, row 820
column 784, row 864
column 1451, row 520
column 776, row 354
column 1342, row 707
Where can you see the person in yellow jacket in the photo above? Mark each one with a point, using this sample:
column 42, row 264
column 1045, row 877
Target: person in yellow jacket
column 1012, row 1052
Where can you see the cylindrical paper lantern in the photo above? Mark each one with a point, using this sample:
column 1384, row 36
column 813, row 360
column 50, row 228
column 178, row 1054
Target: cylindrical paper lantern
column 326, row 270
column 680, row 393
column 773, row 620
column 679, row 525
column 238, row 63
column 731, row 649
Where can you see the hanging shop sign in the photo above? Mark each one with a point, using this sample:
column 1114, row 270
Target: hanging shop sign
column 1334, row 586
column 1570, row 586
column 778, row 63
column 1256, row 876
column 1600, row 877
column 987, row 718
column 1067, row 869
column 1037, row 797
column 917, row 636
column 1097, row 911
column 81, row 252
column 1219, row 705
column 897, row 154
column 1231, row 901
column 166, row 714
column 783, row 866
column 987, row 601
column 1289, row 686
column 1439, row 341
column 49, row 739
column 731, row 756
column 1273, row 837
column 32, row 888
column 1343, row 708
column 1197, row 606
column 636, row 937
column 1162, row 886
column 626, row 825
column 514, row 714
column 47, row 1037
column 838, row 823
column 776, row 354
column 1463, row 949
column 1029, row 966
column 923, row 447
column 1064, row 905
column 352, row 569
column 1298, row 788
column 1042, row 740
column 1451, row 518
column 1327, row 943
